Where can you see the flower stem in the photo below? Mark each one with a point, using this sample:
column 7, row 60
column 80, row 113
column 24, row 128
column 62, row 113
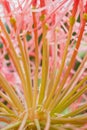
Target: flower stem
column 11, row 50
column 36, row 61
column 56, row 97
column 27, row 88
column 60, row 70
column 45, row 58
column 5, row 85
column 73, row 98
column 69, row 95
column 73, row 79
column 80, row 120
column 77, row 111
column 44, row 66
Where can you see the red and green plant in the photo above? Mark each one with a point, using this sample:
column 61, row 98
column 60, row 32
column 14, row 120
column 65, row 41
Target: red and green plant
column 43, row 64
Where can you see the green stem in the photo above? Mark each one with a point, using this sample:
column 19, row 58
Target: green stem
column 56, row 96
column 73, row 79
column 77, row 111
column 27, row 87
column 6, row 86
column 36, row 61
column 73, row 90
column 80, row 120
column 44, row 66
column 52, row 74
column 7, row 98
column 12, row 52
column 6, row 108
column 60, row 70
column 70, row 100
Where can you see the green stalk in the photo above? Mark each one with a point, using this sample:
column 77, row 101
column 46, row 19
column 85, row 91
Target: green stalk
column 62, row 107
column 74, row 90
column 5, row 85
column 56, row 97
column 10, row 116
column 2, row 105
column 44, row 66
column 36, row 61
column 27, row 88
column 13, row 53
column 80, row 120
column 77, row 111
column 71, row 100
column 68, row 96
column 6, row 98
column 60, row 70
column 73, row 79
column 52, row 74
